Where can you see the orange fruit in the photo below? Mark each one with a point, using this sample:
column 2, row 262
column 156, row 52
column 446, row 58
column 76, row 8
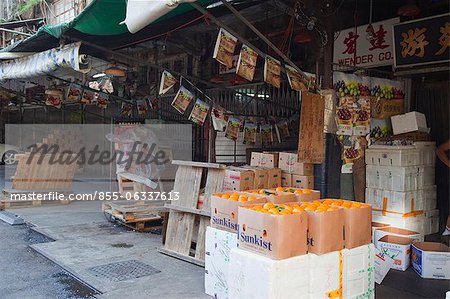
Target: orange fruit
column 298, row 191
column 225, row 196
column 285, row 212
column 281, row 189
column 250, row 198
column 288, row 208
column 273, row 210
column 261, row 191
column 310, row 208
column 268, row 205
column 234, row 196
column 328, row 201
column 297, row 210
column 242, row 199
column 306, row 191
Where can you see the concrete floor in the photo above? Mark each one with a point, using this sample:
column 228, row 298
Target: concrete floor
column 84, row 239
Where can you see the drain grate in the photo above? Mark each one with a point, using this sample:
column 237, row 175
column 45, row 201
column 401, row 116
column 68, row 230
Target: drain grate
column 123, row 270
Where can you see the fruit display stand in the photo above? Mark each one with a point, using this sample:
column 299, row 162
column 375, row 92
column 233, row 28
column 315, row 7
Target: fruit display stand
column 187, row 223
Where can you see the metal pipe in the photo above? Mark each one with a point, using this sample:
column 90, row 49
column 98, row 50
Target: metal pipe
column 14, row 31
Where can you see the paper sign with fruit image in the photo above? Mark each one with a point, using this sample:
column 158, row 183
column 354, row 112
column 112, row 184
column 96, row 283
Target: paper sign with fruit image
column 126, row 110
column 167, row 82
column 199, row 112
column 388, row 98
column 283, row 129
column 250, row 133
column 88, row 97
column 344, row 115
column 361, row 117
column 351, row 151
column 74, row 92
column 246, row 64
column 266, row 133
column 102, row 100
column 296, row 80
column 142, row 107
column 272, row 71
column 182, row 100
column 54, row 97
column 380, row 128
column 218, row 119
column 233, row 128
column 224, row 49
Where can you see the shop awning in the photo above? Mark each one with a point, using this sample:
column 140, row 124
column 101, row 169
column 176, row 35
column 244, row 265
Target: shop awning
column 102, row 20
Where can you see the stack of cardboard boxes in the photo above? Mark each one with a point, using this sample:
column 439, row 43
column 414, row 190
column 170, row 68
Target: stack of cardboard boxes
column 284, row 243
column 295, row 174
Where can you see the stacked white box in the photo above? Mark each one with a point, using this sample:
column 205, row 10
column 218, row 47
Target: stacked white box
column 393, row 156
column 429, row 197
column 427, row 152
column 358, row 274
column 394, row 177
column 395, row 201
column 414, row 223
column 324, row 274
column 258, row 277
column 431, row 222
column 218, row 245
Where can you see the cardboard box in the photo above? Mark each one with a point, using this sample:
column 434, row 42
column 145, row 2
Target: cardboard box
column 225, row 212
column 260, row 177
column 286, row 179
column 303, row 182
column 358, row 226
column 218, row 246
column 264, row 160
column 375, row 226
column 273, row 236
column 325, row 231
column 398, row 248
column 409, row 122
column 303, row 195
column 273, row 196
column 258, row 277
column 431, row 260
column 273, row 178
column 384, row 108
column 288, row 163
column 396, row 232
column 238, row 179
column 358, row 275
column 409, row 223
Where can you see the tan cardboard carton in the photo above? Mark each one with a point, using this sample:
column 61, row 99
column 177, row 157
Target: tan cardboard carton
column 358, row 226
column 398, row 232
column 264, row 160
column 375, row 226
column 301, row 181
column 260, row 177
column 303, row 195
column 273, row 196
column 224, row 212
column 274, row 236
column 288, row 162
column 273, row 178
column 325, row 231
column 286, row 179
column 238, row 179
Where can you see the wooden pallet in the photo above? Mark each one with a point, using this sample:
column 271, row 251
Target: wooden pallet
column 186, row 226
column 139, row 217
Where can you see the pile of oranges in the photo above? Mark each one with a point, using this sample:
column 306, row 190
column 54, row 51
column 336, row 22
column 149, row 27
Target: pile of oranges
column 346, row 204
column 237, row 197
column 277, row 209
column 295, row 191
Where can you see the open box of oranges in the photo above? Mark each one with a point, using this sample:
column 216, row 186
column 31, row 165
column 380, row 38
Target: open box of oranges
column 273, row 196
column 224, row 208
column 301, row 194
column 277, row 231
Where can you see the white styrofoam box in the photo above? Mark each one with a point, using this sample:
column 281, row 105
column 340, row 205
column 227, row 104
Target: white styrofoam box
column 395, row 201
column 398, row 232
column 218, row 245
column 429, row 197
column 427, row 152
column 431, row 222
column 398, row 248
column 392, row 155
column 324, row 274
column 395, row 178
column 258, row 277
column 358, row 273
column 409, row 122
column 411, row 223
column 429, row 176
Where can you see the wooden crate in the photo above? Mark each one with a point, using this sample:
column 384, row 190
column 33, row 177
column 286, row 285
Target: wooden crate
column 186, row 225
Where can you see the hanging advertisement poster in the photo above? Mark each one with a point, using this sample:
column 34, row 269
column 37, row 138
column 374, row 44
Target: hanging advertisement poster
column 272, row 71
column 102, row 100
column 167, row 82
column 266, row 133
column 233, row 128
column 182, row 100
column 199, row 112
column 250, row 133
column 224, row 49
column 246, row 64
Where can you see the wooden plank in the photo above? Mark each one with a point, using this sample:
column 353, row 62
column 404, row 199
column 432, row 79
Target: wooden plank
column 200, row 245
column 179, row 232
column 214, row 184
column 178, row 208
column 186, row 258
column 187, row 184
column 198, row 164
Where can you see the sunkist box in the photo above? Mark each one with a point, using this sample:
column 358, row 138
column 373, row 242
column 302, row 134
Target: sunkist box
column 265, row 160
column 238, row 179
column 431, row 260
column 409, row 122
column 274, row 236
column 398, row 248
column 288, row 162
column 224, row 211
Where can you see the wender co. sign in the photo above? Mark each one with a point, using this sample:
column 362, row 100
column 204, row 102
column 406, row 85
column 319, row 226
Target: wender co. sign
column 365, row 46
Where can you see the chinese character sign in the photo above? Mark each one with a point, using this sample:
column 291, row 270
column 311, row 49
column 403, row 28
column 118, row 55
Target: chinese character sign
column 365, row 46
column 423, row 41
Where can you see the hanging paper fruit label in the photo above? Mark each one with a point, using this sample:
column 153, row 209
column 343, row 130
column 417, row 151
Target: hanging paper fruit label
column 182, row 100
column 167, row 82
column 233, row 128
column 344, row 116
column 102, row 100
column 247, row 63
column 88, row 97
column 249, row 133
column 266, row 133
column 74, row 93
column 126, row 110
column 218, row 119
column 361, row 121
column 225, row 46
column 351, row 152
column 54, row 98
column 142, row 107
column 296, row 80
column 199, row 112
column 272, row 71
column 283, row 129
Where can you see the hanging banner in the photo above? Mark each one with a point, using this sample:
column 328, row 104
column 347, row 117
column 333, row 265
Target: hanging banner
column 250, row 133
column 46, row 62
column 283, row 129
column 126, row 110
column 218, row 119
column 233, row 128
column 246, row 64
column 142, row 107
column 423, row 41
column 272, row 71
column 54, row 97
column 167, row 82
column 367, row 46
column 182, row 100
column 225, row 46
column 296, row 80
column 266, row 133
column 74, row 93
column 199, row 112
column 102, row 100
column 88, row 97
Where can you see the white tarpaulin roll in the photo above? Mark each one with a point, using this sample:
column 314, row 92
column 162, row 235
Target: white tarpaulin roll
column 141, row 13
column 67, row 56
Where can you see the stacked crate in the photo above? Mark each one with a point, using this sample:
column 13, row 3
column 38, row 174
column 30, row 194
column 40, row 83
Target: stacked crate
column 400, row 186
